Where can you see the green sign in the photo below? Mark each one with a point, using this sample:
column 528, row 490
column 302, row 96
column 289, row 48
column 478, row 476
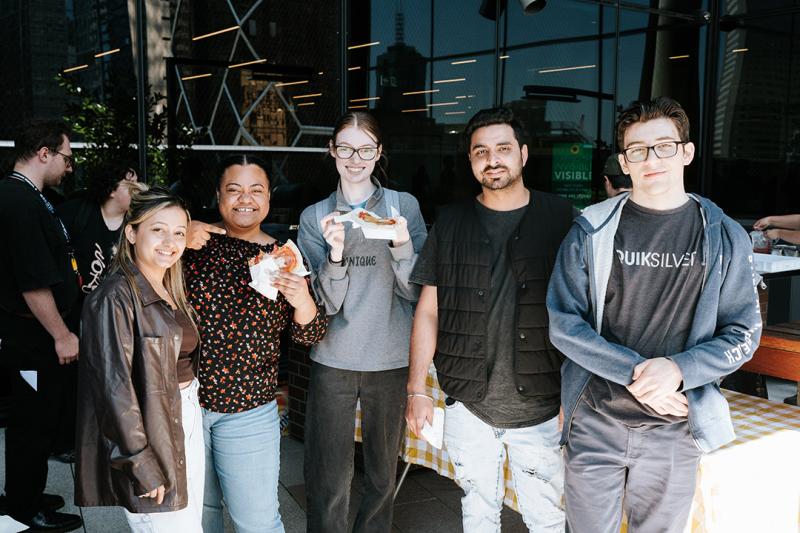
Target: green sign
column 572, row 172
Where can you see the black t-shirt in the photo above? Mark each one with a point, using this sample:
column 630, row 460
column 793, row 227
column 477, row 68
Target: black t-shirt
column 95, row 245
column 651, row 298
column 33, row 250
column 503, row 406
column 33, row 255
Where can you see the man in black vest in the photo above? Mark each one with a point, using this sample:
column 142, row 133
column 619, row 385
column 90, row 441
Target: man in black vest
column 482, row 319
column 39, row 284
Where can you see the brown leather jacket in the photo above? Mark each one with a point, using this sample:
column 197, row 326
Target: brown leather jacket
column 129, row 433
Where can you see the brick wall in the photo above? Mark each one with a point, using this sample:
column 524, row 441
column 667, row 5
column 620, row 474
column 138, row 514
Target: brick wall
column 298, row 368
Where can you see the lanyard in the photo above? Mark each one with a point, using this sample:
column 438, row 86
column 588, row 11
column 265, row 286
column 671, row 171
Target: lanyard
column 73, row 262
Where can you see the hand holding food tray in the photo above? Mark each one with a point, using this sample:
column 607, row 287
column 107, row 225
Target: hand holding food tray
column 263, row 267
column 373, row 226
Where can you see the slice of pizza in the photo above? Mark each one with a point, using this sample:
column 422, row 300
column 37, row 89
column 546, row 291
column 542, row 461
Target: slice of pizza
column 287, row 257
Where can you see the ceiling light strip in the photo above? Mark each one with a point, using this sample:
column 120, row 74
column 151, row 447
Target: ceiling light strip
column 213, row 33
column 564, row 69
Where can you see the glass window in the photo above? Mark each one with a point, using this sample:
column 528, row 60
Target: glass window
column 756, row 130
column 664, row 56
column 562, row 90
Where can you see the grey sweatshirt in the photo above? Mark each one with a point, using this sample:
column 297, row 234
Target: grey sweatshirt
column 368, row 297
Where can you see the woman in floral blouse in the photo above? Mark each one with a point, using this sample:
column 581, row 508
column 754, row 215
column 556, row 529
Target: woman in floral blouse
column 240, row 333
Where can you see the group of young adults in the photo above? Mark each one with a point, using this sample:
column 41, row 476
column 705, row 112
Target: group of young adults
column 585, row 347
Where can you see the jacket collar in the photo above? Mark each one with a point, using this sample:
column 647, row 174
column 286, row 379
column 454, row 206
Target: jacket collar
column 372, row 201
column 147, row 292
column 596, row 216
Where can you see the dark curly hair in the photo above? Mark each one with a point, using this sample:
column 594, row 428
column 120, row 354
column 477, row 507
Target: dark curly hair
column 104, row 179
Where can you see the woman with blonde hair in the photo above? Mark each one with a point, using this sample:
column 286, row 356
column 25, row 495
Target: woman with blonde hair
column 140, row 431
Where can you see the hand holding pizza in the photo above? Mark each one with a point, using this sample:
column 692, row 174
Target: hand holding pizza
column 294, row 288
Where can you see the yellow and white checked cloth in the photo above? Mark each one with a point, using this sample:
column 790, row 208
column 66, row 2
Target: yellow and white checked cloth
column 417, row 450
column 752, row 485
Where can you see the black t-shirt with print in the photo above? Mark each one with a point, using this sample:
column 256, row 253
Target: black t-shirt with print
column 651, row 298
column 95, row 246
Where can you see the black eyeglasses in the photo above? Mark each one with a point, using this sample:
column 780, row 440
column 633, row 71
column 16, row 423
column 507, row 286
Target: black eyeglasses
column 68, row 159
column 663, row 150
column 367, row 153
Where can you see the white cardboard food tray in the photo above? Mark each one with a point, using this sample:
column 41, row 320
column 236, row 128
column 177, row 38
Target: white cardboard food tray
column 371, row 231
column 766, row 263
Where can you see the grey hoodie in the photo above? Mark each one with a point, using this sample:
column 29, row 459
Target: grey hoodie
column 725, row 330
column 368, row 297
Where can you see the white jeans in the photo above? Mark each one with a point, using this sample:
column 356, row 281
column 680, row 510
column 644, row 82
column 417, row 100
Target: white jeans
column 478, row 451
column 190, row 518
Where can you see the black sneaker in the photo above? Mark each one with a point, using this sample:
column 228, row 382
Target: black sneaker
column 50, row 502
column 53, row 522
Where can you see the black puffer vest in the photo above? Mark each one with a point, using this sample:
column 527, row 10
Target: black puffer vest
column 463, row 276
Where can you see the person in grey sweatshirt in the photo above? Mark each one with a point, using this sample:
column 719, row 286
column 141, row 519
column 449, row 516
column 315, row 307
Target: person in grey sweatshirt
column 363, row 285
column 652, row 300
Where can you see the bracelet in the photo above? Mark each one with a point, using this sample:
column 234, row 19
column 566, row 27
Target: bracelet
column 339, row 262
column 419, row 395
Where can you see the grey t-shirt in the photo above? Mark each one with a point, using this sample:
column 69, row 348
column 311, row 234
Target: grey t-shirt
column 652, row 294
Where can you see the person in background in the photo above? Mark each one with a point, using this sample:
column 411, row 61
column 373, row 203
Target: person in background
column 240, row 330
column 140, row 437
column 615, row 180
column 96, row 220
column 784, row 227
column 39, row 286
column 363, row 284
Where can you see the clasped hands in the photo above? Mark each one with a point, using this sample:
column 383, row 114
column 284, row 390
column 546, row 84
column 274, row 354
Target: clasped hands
column 655, row 384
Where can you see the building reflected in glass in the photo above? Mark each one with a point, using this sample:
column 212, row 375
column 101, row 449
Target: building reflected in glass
column 272, row 77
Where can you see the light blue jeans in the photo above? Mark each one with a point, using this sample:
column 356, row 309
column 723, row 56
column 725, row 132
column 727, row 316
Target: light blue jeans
column 242, row 466
column 478, row 451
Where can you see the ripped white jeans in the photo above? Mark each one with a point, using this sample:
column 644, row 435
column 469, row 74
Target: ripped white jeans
column 478, row 452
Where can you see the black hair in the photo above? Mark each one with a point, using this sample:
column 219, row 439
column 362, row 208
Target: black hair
column 243, row 160
column 104, row 179
column 491, row 117
column 39, row 134
column 620, row 182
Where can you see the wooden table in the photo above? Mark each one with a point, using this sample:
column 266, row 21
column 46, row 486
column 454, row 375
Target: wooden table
column 778, row 354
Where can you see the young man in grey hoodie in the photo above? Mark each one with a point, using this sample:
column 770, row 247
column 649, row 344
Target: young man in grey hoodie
column 653, row 300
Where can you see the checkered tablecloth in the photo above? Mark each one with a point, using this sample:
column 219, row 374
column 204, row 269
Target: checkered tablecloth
column 751, row 485
column 417, row 450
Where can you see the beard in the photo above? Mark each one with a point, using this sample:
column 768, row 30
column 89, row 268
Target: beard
column 496, row 184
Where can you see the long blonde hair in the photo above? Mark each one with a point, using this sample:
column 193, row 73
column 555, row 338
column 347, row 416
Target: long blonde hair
column 145, row 202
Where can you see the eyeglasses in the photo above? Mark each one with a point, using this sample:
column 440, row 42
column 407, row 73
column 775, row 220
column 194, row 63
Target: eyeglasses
column 665, row 149
column 68, row 159
column 367, row 153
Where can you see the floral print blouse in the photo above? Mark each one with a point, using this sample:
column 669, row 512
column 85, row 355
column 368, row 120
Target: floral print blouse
column 240, row 329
